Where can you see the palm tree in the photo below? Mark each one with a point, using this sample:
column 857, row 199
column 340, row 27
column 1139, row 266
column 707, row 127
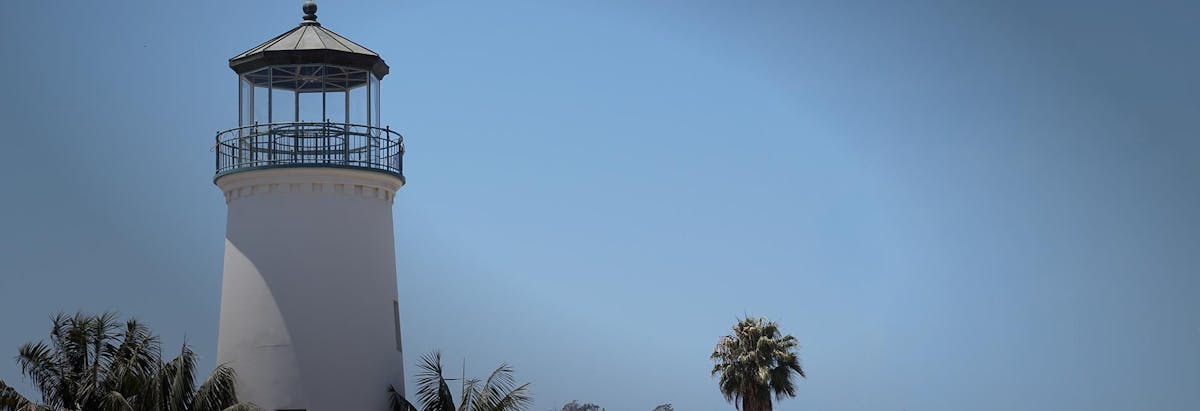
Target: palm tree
column 499, row 392
column 754, row 362
column 93, row 362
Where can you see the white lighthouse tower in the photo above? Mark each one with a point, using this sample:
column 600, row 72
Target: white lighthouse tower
column 309, row 312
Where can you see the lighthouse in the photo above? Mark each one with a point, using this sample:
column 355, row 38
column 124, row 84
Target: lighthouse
column 309, row 313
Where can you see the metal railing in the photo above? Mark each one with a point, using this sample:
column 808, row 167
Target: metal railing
column 299, row 144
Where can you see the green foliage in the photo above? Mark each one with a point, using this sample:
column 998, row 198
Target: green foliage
column 10, row 399
column 576, row 406
column 499, row 392
column 754, row 362
column 96, row 363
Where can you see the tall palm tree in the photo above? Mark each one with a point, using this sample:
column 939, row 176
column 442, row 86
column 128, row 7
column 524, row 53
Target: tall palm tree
column 499, row 392
column 754, row 362
column 93, row 362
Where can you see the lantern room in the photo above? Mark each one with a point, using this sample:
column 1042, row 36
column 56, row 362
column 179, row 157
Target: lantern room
column 309, row 98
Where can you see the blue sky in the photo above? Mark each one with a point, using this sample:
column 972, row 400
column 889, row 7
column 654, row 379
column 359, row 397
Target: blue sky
column 953, row 205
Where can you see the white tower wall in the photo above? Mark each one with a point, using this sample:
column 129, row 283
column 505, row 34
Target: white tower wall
column 309, row 312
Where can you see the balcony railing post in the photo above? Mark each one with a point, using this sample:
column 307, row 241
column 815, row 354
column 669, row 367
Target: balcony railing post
column 270, row 149
column 386, row 153
column 217, row 148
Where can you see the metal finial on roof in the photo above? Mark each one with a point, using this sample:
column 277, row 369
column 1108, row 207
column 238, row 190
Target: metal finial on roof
column 310, row 11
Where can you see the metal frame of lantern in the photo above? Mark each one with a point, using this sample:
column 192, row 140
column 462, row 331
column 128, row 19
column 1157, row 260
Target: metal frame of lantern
column 330, row 135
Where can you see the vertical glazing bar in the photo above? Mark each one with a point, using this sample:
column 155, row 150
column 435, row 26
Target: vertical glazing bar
column 370, row 153
column 327, row 149
column 324, row 80
column 251, row 112
column 240, row 96
column 378, row 98
column 296, row 97
column 270, row 108
column 241, row 133
column 325, row 130
column 346, row 121
column 368, row 86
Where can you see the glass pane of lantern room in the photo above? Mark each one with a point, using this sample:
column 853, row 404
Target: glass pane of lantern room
column 310, row 107
column 245, row 101
column 335, row 106
column 375, row 102
column 359, row 105
column 260, row 97
column 283, row 96
column 311, row 97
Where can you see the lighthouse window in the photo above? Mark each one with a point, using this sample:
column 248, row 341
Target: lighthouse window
column 245, row 102
column 396, row 317
column 260, row 98
column 283, row 101
column 308, row 93
column 374, row 91
column 335, row 106
column 310, row 107
column 358, row 99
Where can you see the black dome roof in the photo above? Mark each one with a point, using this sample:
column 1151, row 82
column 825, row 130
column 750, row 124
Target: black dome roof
column 309, row 43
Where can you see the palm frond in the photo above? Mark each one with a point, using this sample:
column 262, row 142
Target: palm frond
column 217, row 392
column 135, row 363
column 138, row 354
column 397, row 402
column 470, row 393
column 432, row 391
column 114, row 401
column 243, row 406
column 177, row 381
column 43, row 366
column 11, row 400
column 517, row 399
column 499, row 392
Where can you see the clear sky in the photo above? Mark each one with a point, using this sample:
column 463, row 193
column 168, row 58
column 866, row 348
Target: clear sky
column 952, row 205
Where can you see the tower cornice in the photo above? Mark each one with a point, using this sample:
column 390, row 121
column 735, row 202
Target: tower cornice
column 342, row 181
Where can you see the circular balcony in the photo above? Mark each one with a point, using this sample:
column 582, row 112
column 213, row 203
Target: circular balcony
column 300, row 144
